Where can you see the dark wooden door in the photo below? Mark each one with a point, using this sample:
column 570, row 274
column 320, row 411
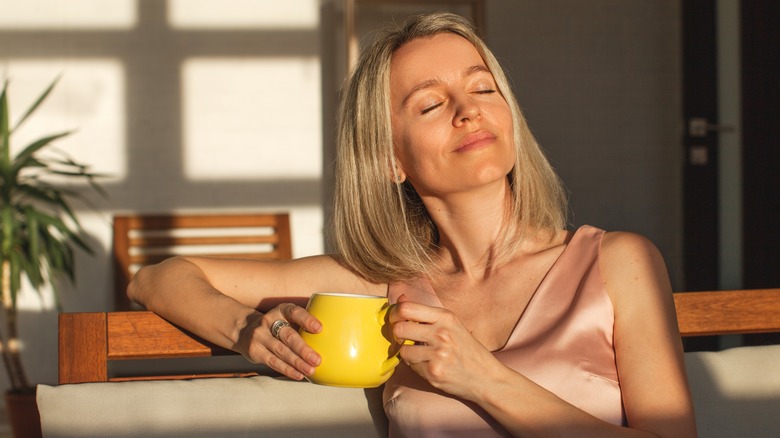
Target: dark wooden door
column 700, row 176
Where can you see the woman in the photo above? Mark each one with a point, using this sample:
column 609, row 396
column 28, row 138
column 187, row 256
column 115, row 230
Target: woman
column 446, row 204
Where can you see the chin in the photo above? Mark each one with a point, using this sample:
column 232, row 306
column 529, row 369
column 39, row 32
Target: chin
column 489, row 174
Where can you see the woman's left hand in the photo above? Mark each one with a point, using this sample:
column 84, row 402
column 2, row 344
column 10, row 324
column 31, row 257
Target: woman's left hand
column 445, row 353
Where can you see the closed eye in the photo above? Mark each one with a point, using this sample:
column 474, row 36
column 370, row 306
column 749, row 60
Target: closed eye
column 430, row 108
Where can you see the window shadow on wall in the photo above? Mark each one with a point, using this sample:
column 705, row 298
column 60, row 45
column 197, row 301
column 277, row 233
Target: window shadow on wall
column 152, row 54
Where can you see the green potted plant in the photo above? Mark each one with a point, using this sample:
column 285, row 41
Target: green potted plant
column 38, row 232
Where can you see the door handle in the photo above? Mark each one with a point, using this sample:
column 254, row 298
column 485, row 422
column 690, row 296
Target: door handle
column 700, row 127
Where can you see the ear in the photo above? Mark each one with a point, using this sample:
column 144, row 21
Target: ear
column 400, row 175
column 396, row 174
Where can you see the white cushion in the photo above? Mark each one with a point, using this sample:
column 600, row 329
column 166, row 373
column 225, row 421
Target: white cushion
column 736, row 392
column 218, row 407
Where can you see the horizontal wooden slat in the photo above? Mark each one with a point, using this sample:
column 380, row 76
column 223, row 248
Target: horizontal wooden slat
column 728, row 312
column 698, row 314
column 144, row 335
column 207, row 240
column 201, row 221
column 148, row 259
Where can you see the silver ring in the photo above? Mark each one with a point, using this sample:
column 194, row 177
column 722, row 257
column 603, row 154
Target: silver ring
column 277, row 326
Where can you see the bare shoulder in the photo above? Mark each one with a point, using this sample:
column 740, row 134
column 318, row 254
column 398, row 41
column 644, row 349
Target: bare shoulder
column 617, row 245
column 631, row 264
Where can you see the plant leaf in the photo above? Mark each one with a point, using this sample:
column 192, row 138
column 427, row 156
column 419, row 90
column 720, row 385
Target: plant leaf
column 41, row 193
column 36, row 104
column 22, row 158
column 5, row 132
column 33, row 233
column 15, row 279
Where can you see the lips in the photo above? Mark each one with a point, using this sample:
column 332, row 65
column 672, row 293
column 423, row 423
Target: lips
column 475, row 141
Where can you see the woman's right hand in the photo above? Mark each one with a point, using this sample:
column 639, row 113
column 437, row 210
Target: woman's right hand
column 288, row 353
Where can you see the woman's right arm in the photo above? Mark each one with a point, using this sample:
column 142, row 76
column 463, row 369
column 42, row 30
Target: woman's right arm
column 233, row 303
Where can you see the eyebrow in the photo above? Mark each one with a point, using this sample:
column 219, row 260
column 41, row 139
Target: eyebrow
column 478, row 68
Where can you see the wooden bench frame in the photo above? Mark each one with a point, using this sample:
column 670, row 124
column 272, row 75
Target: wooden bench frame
column 89, row 341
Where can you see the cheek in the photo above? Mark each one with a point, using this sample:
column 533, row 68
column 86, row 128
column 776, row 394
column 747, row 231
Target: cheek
column 504, row 119
column 400, row 148
column 413, row 143
column 504, row 114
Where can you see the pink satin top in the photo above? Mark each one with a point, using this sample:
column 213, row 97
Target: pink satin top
column 562, row 341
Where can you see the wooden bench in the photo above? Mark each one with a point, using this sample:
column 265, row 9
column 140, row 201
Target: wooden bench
column 736, row 392
column 88, row 342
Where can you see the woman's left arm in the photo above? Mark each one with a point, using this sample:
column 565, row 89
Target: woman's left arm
column 647, row 344
column 647, row 341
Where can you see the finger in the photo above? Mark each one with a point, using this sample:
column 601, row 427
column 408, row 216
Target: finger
column 299, row 316
column 393, row 316
column 404, row 331
column 411, row 331
column 416, row 312
column 289, row 354
column 416, row 354
column 289, row 347
column 279, row 358
column 295, row 343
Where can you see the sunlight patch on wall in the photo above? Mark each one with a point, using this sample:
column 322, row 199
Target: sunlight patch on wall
column 70, row 14
column 247, row 14
column 254, row 119
column 88, row 101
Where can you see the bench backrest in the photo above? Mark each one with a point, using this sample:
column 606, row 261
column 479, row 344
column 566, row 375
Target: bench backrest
column 141, row 240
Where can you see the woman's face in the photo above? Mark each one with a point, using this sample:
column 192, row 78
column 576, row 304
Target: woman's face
column 452, row 129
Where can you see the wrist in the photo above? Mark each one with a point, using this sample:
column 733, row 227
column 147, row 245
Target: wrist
column 243, row 325
column 494, row 384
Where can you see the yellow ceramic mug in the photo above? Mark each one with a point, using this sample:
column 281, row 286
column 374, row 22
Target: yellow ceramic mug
column 355, row 343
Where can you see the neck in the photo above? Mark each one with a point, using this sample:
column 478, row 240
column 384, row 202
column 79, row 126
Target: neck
column 469, row 225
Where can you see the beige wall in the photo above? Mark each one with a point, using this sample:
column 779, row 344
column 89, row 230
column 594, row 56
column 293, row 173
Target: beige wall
column 188, row 105
column 196, row 109
column 600, row 83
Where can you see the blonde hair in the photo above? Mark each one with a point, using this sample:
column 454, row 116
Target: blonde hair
column 381, row 229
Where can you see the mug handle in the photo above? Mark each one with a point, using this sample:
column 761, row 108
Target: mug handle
column 393, row 360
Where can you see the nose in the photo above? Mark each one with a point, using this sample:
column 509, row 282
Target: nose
column 466, row 110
